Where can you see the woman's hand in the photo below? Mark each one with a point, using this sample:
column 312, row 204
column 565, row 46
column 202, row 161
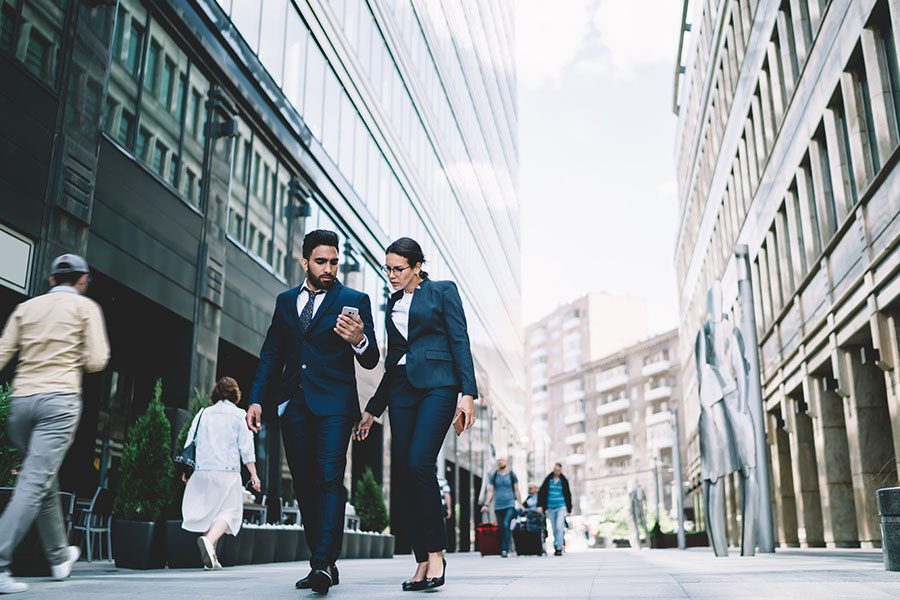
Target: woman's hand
column 466, row 407
column 361, row 431
column 254, row 482
column 184, row 478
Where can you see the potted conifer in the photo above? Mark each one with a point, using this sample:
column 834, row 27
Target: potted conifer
column 373, row 516
column 145, row 489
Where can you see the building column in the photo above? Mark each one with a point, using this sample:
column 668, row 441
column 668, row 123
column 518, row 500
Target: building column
column 805, row 472
column 885, row 329
column 869, row 437
column 783, row 483
column 832, row 462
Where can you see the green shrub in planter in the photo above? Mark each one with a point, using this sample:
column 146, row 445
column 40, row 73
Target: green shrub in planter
column 145, row 489
column 10, row 462
column 146, row 471
column 369, row 503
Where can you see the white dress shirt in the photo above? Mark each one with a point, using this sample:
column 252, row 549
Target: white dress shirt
column 400, row 317
column 223, row 440
column 302, row 299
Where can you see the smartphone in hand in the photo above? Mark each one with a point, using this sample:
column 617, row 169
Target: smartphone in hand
column 350, row 311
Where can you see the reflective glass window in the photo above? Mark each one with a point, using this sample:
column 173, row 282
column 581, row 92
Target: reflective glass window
column 314, row 93
column 245, row 14
column 295, row 58
column 332, row 114
column 122, row 93
column 271, row 45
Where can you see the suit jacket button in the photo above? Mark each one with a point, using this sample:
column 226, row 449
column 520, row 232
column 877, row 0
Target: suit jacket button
column 302, row 366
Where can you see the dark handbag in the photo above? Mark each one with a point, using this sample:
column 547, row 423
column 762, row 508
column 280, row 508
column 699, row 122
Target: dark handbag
column 186, row 462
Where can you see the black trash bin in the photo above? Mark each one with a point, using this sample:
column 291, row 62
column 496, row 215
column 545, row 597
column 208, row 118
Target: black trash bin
column 889, row 508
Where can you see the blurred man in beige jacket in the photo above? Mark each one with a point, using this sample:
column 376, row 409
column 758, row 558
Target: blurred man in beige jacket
column 57, row 336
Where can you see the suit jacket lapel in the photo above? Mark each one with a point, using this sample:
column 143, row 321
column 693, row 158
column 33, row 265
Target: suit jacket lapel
column 330, row 297
column 422, row 289
column 294, row 319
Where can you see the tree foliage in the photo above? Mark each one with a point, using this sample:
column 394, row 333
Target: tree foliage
column 369, row 503
column 10, row 461
column 146, row 471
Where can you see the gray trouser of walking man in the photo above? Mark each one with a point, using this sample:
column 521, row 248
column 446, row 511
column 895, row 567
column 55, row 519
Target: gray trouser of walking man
column 42, row 427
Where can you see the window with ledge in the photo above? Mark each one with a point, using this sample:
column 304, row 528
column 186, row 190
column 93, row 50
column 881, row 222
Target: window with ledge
column 155, row 104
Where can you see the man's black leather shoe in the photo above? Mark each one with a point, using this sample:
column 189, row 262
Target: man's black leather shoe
column 303, row 584
column 320, row 581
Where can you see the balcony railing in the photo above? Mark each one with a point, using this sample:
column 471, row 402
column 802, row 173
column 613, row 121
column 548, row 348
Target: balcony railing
column 663, row 391
column 571, row 323
column 539, row 409
column 614, row 429
column 574, row 418
column 659, row 366
column 576, row 438
column 616, row 451
column 575, row 459
column 611, row 383
column 654, row 418
column 573, row 396
column 613, row 407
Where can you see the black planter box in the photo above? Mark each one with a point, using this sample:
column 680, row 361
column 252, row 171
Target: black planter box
column 303, row 552
column 139, row 544
column 181, row 547
column 285, row 545
column 246, row 542
column 229, row 545
column 264, row 547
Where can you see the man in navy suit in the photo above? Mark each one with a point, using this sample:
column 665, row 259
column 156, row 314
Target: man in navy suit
column 306, row 364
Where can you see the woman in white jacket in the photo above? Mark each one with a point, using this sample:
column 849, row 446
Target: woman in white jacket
column 213, row 498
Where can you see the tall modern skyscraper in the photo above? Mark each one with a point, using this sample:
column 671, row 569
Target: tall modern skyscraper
column 185, row 146
column 787, row 143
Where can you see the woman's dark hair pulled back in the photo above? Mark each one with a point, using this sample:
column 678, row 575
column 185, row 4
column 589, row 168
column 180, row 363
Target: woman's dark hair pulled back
column 409, row 249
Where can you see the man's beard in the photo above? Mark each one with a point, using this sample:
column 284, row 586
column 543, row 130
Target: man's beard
column 318, row 283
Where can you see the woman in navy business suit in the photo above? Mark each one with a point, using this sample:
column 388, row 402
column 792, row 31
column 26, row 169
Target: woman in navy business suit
column 428, row 365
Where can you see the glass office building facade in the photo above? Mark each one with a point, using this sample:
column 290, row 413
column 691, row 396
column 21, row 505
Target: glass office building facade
column 788, row 143
column 186, row 146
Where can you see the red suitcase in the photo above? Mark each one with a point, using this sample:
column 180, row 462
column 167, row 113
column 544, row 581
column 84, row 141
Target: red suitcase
column 487, row 537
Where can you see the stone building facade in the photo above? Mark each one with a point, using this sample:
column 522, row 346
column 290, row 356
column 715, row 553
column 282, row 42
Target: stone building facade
column 787, row 142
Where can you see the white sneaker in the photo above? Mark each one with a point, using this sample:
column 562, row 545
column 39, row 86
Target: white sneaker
column 8, row 585
column 60, row 572
column 207, row 553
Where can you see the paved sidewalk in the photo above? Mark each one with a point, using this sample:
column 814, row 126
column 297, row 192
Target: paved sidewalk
column 789, row 575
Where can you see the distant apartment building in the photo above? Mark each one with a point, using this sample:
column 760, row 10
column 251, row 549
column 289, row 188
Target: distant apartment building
column 610, row 423
column 559, row 348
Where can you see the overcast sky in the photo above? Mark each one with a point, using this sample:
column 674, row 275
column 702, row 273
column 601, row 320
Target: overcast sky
column 597, row 177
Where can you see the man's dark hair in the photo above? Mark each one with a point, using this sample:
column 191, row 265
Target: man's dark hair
column 409, row 249
column 67, row 278
column 557, row 465
column 319, row 237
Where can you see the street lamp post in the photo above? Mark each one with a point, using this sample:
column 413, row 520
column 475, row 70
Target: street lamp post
column 679, row 485
column 765, row 526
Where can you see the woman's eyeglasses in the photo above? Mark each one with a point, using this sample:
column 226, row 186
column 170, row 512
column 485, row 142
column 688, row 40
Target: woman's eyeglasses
column 394, row 270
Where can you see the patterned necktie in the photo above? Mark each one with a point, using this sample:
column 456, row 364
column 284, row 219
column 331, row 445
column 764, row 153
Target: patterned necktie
column 306, row 314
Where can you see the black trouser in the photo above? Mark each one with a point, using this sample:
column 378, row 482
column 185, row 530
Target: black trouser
column 419, row 422
column 316, row 451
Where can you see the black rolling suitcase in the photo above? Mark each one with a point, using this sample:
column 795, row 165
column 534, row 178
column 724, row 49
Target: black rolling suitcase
column 529, row 533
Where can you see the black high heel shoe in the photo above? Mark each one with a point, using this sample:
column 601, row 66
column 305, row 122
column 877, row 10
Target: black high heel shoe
column 413, row 586
column 436, row 582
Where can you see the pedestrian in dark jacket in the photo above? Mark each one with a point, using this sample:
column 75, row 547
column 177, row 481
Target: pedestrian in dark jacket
column 555, row 500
